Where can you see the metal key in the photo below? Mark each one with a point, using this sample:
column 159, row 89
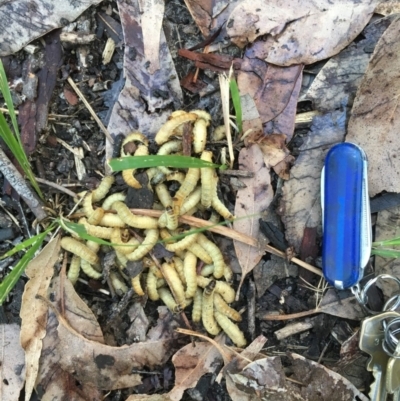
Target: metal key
column 393, row 370
column 371, row 338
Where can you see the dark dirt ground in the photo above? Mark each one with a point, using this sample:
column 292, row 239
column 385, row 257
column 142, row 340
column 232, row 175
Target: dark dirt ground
column 52, row 162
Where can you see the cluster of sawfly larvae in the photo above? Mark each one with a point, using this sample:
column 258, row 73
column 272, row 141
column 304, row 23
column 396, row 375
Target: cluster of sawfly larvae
column 196, row 273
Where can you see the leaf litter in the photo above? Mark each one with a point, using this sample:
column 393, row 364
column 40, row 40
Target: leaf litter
column 76, row 328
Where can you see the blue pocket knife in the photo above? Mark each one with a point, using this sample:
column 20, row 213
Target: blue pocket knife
column 346, row 217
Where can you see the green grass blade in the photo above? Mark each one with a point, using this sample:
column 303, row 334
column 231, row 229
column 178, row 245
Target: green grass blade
column 176, row 161
column 236, row 103
column 386, row 253
column 7, row 97
column 80, row 230
column 11, row 279
column 389, row 242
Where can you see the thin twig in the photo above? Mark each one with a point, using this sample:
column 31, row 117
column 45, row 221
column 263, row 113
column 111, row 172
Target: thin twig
column 91, row 111
column 18, row 182
column 228, row 232
column 56, row 186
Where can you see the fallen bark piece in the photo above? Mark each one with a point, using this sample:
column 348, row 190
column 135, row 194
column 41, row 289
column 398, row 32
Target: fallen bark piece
column 287, row 25
column 292, row 329
column 375, row 118
column 12, row 361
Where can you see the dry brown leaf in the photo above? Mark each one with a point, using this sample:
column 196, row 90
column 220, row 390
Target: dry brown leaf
column 34, row 311
column 43, row 16
column 288, row 24
column 336, row 84
column 388, row 227
column 274, row 89
column 52, row 381
column 191, row 363
column 137, row 109
column 375, row 119
column 151, row 21
column 347, row 308
column 107, row 367
column 12, row 369
column 250, row 202
column 301, row 205
column 265, row 379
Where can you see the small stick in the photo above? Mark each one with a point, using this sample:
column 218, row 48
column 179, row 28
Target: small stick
column 18, row 182
column 237, row 173
column 91, row 111
column 228, row 232
column 56, row 186
column 292, row 329
column 291, row 316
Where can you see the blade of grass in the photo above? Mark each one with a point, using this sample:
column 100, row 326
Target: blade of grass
column 386, row 253
column 125, row 163
column 236, row 103
column 11, row 279
column 12, row 138
column 393, row 241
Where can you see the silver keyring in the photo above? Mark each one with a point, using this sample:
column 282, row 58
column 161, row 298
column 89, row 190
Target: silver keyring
column 391, row 341
column 362, row 296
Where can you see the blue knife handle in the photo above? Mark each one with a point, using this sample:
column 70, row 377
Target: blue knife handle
column 345, row 207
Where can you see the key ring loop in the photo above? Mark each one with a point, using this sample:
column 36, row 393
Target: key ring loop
column 391, row 341
column 361, row 295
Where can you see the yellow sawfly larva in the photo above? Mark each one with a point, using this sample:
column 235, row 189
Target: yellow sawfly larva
column 163, row 194
column 228, row 273
column 231, row 329
column 172, row 219
column 189, row 270
column 111, row 220
column 182, row 244
column 191, row 201
column 201, row 253
column 129, row 175
column 145, row 247
column 155, row 176
column 96, row 231
column 219, row 134
column 177, row 113
column 166, row 235
column 133, row 137
column 207, row 309
column 178, row 263
column 151, row 286
column 215, row 253
column 214, row 218
column 208, row 183
column 87, row 205
column 119, row 286
column 143, row 222
column 207, row 270
column 223, row 307
column 102, row 190
column 121, row 246
column 161, row 283
column 224, row 289
column 107, row 203
column 202, row 114
column 197, row 301
column 219, row 207
column 162, row 220
column 88, row 269
column 137, row 285
column 200, row 135
column 174, row 283
column 96, row 216
column 168, row 299
column 77, row 248
column 167, row 148
column 94, row 246
column 74, row 268
column 122, row 260
column 168, row 127
column 188, row 185
column 176, row 176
